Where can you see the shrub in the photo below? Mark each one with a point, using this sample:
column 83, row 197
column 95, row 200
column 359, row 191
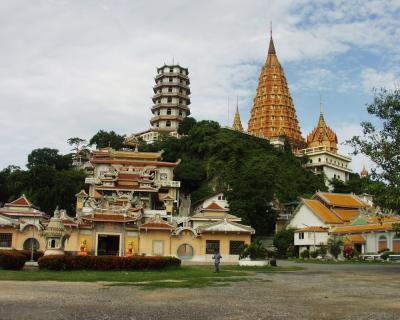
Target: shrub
column 104, row 263
column 314, row 254
column 284, row 242
column 12, row 260
column 348, row 252
column 27, row 254
column 323, row 250
column 305, row 254
column 335, row 246
column 255, row 251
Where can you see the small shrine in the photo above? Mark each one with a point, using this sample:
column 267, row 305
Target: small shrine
column 55, row 235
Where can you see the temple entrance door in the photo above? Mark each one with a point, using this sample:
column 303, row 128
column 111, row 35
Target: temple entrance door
column 108, row 245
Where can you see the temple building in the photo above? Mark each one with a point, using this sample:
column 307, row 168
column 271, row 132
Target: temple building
column 170, row 103
column 322, row 153
column 273, row 113
column 237, row 123
column 131, row 208
column 329, row 215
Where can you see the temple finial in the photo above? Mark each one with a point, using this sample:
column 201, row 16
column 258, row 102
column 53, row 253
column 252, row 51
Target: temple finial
column 270, row 28
column 321, row 107
column 237, row 103
column 271, row 48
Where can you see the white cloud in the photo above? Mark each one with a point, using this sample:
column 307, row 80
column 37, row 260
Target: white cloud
column 70, row 68
column 374, row 79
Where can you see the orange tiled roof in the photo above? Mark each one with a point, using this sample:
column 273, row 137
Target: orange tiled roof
column 341, row 200
column 326, row 215
column 376, row 219
column 354, row 238
column 363, row 228
column 346, row 215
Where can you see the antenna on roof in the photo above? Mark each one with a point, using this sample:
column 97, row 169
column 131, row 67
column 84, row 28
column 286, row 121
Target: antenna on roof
column 228, row 112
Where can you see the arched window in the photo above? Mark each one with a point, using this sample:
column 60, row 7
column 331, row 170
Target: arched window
column 185, row 251
column 52, row 243
column 396, row 244
column 28, row 244
column 169, row 111
column 168, row 123
column 382, row 243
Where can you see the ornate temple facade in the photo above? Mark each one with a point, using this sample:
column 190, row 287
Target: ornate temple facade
column 131, row 207
column 170, row 102
column 322, row 153
column 273, row 113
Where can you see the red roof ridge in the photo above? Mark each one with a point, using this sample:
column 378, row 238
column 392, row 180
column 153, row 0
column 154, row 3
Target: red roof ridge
column 214, row 206
column 21, row 201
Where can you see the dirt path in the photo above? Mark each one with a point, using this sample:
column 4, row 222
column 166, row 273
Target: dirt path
column 320, row 292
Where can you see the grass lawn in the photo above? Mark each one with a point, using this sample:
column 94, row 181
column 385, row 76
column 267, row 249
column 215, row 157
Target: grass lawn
column 183, row 277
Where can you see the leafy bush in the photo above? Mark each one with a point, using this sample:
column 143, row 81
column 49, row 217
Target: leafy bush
column 314, row 254
column 254, row 251
column 335, row 246
column 12, row 260
column 349, row 252
column 323, row 250
column 284, row 241
column 27, row 254
column 104, row 263
column 305, row 254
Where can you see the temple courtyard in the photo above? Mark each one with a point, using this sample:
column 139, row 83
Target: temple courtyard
column 319, row 291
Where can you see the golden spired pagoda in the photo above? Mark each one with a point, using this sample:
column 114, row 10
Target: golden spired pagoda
column 322, row 135
column 273, row 113
column 237, row 123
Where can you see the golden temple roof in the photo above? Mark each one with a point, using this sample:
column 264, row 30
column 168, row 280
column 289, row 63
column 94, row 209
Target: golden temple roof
column 237, row 123
column 273, row 113
column 322, row 135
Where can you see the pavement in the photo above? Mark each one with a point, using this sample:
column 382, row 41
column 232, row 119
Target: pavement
column 320, row 291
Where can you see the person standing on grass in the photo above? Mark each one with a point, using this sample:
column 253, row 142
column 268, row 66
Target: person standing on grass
column 217, row 260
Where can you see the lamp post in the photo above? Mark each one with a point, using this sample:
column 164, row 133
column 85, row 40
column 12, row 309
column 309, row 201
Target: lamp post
column 33, row 235
column 312, row 232
column 124, row 233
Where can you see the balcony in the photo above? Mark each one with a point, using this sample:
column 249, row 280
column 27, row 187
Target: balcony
column 166, row 183
column 172, row 74
column 170, row 105
column 91, row 180
column 170, row 94
column 171, row 84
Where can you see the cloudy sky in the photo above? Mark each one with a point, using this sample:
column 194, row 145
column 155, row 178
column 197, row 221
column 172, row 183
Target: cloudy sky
column 70, row 68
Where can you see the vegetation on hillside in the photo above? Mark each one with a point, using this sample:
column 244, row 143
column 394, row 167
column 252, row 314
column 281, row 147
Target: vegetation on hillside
column 250, row 172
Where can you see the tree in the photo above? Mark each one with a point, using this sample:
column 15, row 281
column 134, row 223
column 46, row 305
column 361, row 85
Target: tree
column 81, row 153
column 104, row 139
column 382, row 145
column 283, row 241
column 76, row 142
column 185, row 126
column 335, row 246
column 49, row 157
